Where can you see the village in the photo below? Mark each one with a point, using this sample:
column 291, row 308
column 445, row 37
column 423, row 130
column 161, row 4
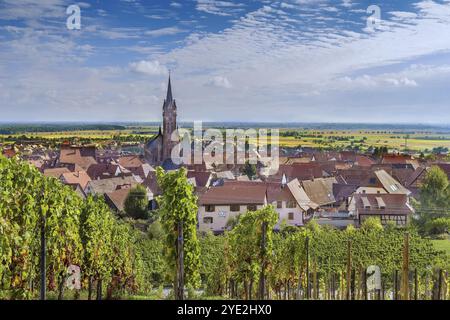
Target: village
column 336, row 188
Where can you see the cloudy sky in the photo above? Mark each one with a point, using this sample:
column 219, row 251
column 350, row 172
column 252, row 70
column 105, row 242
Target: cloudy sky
column 233, row 60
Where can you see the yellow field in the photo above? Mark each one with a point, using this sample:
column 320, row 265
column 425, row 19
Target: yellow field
column 308, row 138
column 375, row 139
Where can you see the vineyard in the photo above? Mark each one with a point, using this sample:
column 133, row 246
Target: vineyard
column 119, row 261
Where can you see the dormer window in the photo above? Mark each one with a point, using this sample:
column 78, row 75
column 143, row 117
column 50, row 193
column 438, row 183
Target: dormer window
column 393, row 187
column 366, row 203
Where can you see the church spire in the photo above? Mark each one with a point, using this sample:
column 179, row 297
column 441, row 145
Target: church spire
column 169, row 92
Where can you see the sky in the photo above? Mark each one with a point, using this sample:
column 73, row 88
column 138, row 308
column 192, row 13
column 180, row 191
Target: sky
column 230, row 60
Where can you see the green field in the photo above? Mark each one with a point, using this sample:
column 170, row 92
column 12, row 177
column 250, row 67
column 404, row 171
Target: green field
column 443, row 245
column 326, row 139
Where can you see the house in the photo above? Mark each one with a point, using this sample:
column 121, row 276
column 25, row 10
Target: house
column 78, row 190
column 285, row 203
column 80, row 178
column 416, row 179
column 386, row 207
column 390, row 184
column 300, row 171
column 373, row 178
column 74, row 156
column 307, row 206
column 358, row 176
column 106, row 170
column 402, row 175
column 342, row 192
column 400, row 159
column 363, row 161
column 116, row 199
column 55, row 172
column 9, row 152
column 201, row 178
column 370, row 190
column 109, row 185
column 320, row 191
column 219, row 205
column 130, row 162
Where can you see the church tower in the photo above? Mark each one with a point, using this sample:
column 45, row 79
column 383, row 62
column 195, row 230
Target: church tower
column 169, row 123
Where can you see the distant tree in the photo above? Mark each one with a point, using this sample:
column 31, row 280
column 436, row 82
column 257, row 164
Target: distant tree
column 249, row 170
column 433, row 208
column 136, row 203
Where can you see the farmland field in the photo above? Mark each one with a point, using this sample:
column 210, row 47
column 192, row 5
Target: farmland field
column 417, row 141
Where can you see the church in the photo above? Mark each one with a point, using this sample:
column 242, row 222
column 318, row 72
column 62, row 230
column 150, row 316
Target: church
column 158, row 150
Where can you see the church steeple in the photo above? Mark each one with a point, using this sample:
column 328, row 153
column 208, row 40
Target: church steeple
column 169, row 97
column 169, row 122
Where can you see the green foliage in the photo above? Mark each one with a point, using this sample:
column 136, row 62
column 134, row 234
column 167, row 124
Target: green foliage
column 83, row 233
column 238, row 258
column 179, row 204
column 246, row 252
column 433, row 209
column 136, row 203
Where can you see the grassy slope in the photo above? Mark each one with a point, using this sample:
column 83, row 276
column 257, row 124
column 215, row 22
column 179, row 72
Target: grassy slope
column 443, row 245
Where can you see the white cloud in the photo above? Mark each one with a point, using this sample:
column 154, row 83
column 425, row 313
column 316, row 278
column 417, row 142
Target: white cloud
column 221, row 8
column 403, row 15
column 347, row 3
column 220, row 82
column 148, row 67
column 176, row 5
column 164, row 32
column 381, row 81
column 297, row 65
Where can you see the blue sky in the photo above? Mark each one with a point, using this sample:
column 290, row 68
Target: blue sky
column 231, row 60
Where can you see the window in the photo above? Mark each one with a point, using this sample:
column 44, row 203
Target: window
column 210, row 208
column 279, row 204
column 290, row 204
column 208, row 220
column 235, row 207
column 290, row 216
column 394, row 187
column 251, row 207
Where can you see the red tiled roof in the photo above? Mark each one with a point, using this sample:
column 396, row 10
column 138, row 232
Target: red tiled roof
column 300, row 171
column 9, row 153
column 201, row 178
column 81, row 156
column 415, row 175
column 364, row 161
column 102, row 170
column 55, row 172
column 117, row 198
column 130, row 161
column 394, row 204
column 396, row 159
column 77, row 177
column 235, row 192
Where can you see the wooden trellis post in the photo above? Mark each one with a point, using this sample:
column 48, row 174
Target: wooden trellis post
column 349, row 269
column 405, row 269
